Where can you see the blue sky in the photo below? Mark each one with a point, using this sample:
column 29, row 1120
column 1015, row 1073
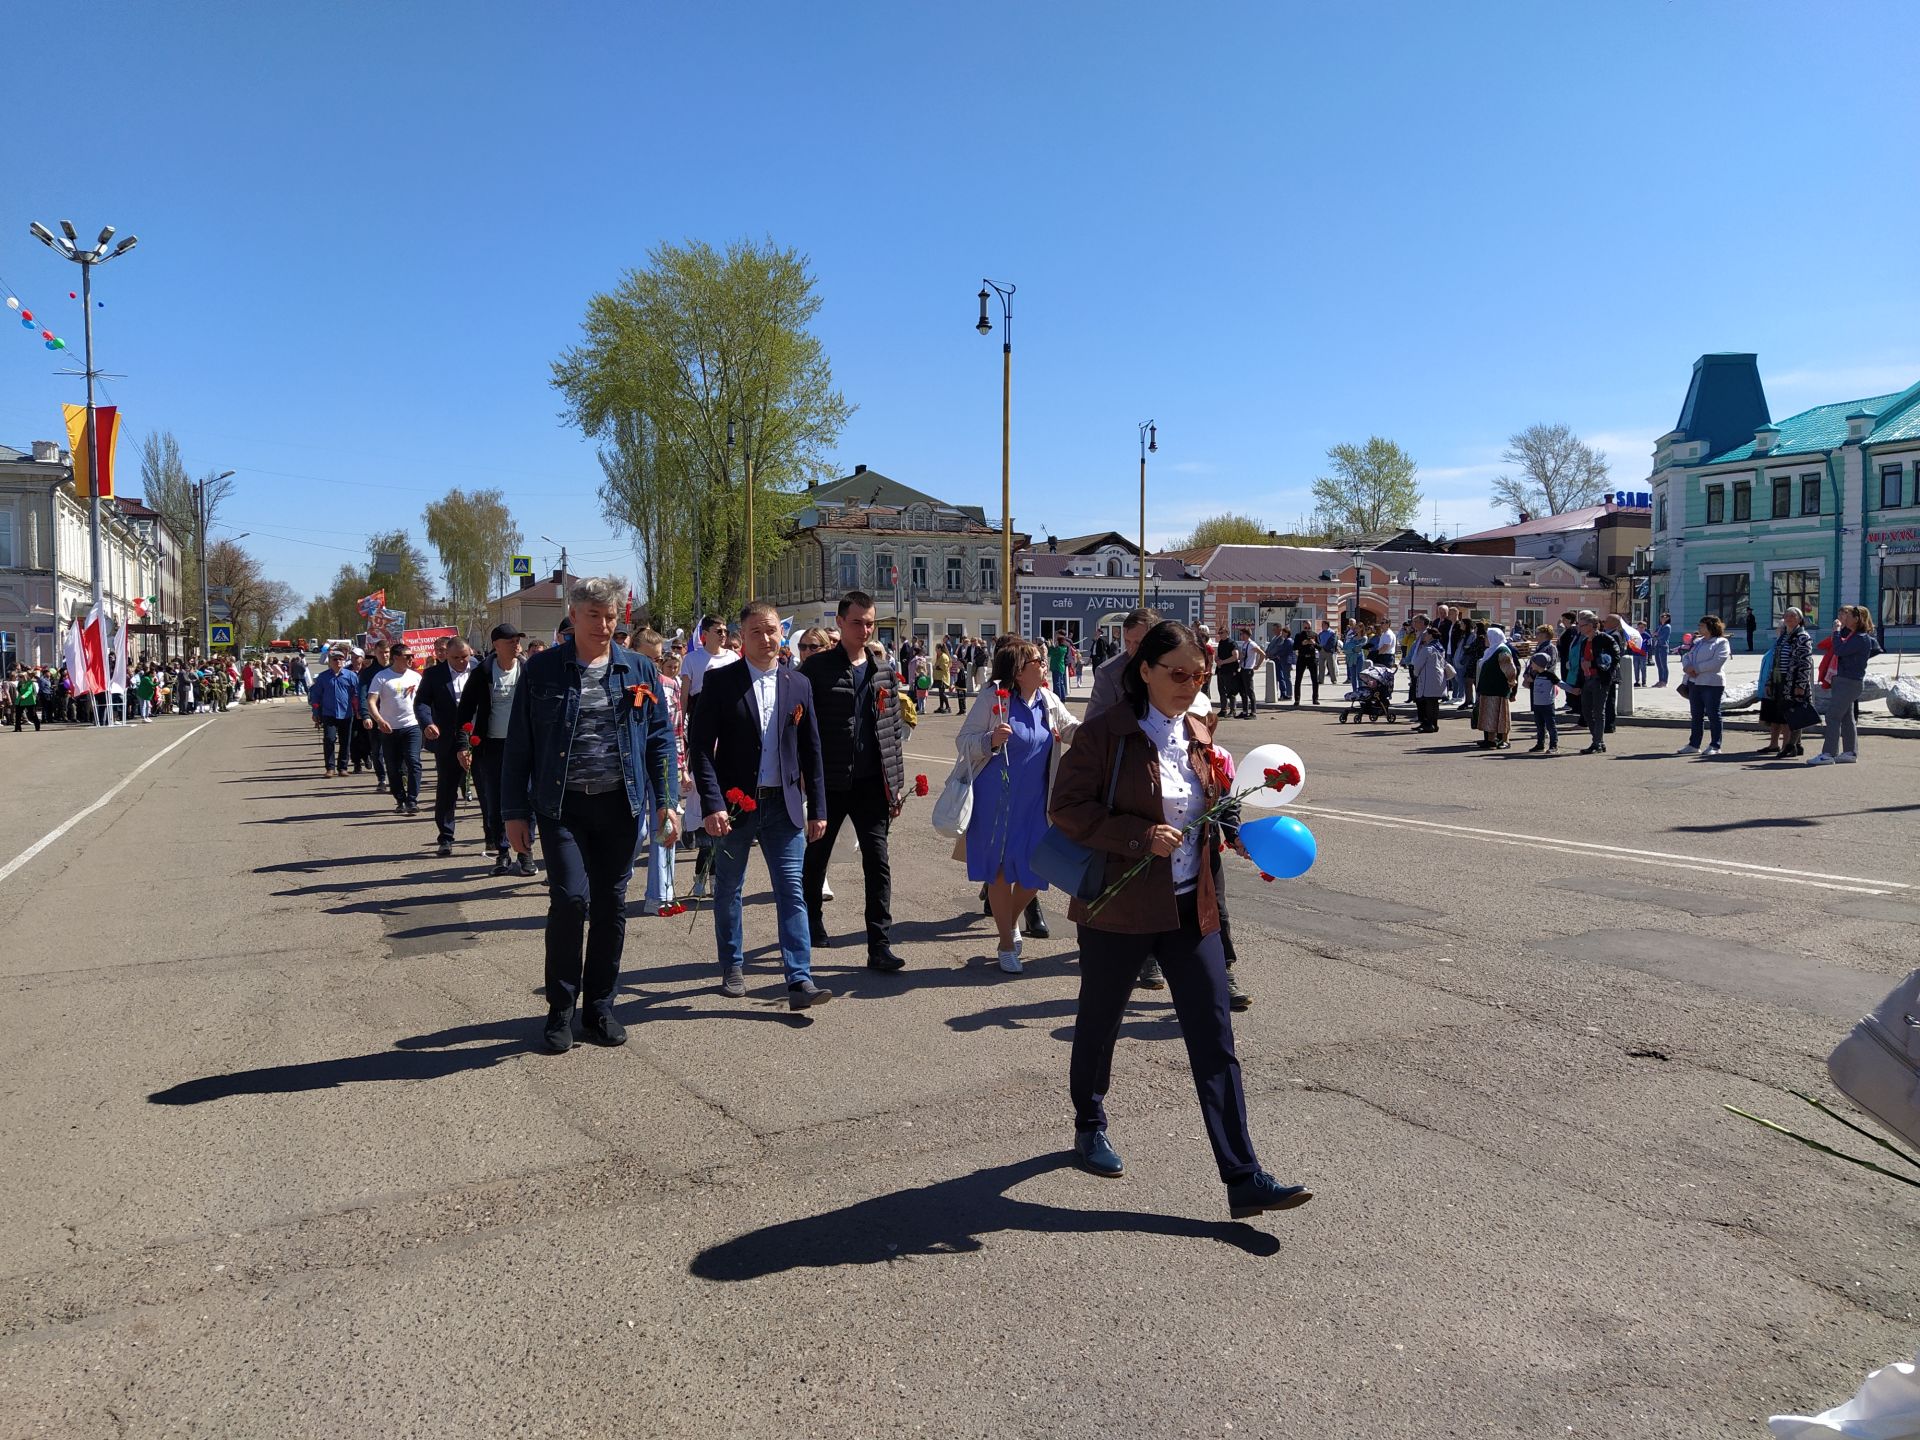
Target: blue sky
column 366, row 231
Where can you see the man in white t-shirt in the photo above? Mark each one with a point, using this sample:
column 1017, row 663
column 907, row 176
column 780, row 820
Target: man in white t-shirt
column 390, row 699
column 709, row 651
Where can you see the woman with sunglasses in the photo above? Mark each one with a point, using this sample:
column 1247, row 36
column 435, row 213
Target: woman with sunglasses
column 1011, row 745
column 1157, row 757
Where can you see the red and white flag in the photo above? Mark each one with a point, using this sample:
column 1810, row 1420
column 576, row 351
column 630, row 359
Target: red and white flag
column 629, row 608
column 93, row 655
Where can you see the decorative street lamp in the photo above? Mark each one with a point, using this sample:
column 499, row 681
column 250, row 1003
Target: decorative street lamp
column 1149, row 442
column 1412, row 578
column 985, row 327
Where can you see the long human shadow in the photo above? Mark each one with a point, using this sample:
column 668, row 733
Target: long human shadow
column 948, row 1217
column 435, row 1055
column 1791, row 820
column 332, row 862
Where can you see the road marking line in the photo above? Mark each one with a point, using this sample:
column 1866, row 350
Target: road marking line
column 54, row 834
column 1857, row 883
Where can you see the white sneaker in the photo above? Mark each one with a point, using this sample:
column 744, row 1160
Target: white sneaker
column 1713, row 750
column 1010, row 962
column 1688, row 750
column 1821, row 759
column 1848, row 757
column 826, row 889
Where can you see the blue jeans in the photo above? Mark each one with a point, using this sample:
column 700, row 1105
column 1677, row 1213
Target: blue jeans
column 1704, row 701
column 403, row 764
column 659, row 861
column 785, row 849
column 1660, row 663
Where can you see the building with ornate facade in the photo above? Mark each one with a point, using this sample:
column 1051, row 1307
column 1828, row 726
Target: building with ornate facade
column 932, row 567
column 46, row 561
column 1087, row 583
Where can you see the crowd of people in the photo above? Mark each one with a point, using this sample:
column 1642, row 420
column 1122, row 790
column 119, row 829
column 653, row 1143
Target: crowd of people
column 40, row 695
column 605, row 746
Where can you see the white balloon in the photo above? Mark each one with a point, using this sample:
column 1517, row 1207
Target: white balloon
column 13, row 303
column 1261, row 759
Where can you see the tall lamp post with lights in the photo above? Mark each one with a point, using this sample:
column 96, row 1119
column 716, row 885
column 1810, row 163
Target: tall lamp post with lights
column 1149, row 443
column 1412, row 580
column 988, row 289
column 748, row 490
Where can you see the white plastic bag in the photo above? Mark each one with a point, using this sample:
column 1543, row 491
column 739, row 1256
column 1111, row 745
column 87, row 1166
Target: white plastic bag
column 1887, row 1407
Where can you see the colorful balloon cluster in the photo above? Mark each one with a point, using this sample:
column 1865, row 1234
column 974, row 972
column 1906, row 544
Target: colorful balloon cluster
column 27, row 322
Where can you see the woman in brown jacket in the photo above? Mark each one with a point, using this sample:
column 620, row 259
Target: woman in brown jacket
column 1158, row 759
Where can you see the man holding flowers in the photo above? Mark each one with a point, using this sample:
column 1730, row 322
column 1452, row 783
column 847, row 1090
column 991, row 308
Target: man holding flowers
column 1172, row 807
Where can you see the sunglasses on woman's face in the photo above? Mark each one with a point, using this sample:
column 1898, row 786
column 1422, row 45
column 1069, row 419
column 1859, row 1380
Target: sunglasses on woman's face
column 805, row 648
column 1183, row 677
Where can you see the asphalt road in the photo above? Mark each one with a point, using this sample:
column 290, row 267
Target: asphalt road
column 283, row 1159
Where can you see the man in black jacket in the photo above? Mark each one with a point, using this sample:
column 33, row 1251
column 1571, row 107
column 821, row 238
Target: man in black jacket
column 487, row 705
column 856, row 695
column 439, row 706
column 1599, row 657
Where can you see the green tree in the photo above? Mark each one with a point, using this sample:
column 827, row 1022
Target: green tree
column 698, row 345
column 165, row 487
column 255, row 602
column 473, row 534
column 1558, row 472
column 1373, row 487
column 1227, row 529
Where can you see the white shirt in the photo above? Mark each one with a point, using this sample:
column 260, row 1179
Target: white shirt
column 766, row 691
column 1387, row 641
column 699, row 661
column 395, row 697
column 460, row 676
column 1182, row 800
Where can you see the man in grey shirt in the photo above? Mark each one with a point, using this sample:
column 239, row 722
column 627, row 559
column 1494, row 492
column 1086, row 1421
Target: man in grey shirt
column 1106, row 680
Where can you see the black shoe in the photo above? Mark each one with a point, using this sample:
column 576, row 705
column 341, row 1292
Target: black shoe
column 444, row 850
column 1536, row 747
column 986, row 905
column 559, row 1033
column 885, row 961
column 806, row 995
column 1593, row 750
column 734, row 981
column 1150, row 976
column 526, row 865
column 1236, row 997
column 1260, row 1192
column 817, row 935
column 1094, row 1153
column 1036, row 921
column 503, row 864
column 413, row 807
column 603, row 1029
column 399, row 807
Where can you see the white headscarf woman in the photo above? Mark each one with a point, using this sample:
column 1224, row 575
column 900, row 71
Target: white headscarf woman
column 1498, row 679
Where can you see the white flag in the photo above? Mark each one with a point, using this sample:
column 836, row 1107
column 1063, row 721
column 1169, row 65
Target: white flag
column 117, row 662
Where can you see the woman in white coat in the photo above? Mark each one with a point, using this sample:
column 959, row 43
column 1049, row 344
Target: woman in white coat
column 1706, row 687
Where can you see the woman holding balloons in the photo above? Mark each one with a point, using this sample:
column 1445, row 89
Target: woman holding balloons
column 1140, row 784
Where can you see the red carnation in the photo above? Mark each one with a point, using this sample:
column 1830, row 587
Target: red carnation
column 736, row 795
column 919, row 784
column 748, row 804
column 1266, row 877
column 1282, row 777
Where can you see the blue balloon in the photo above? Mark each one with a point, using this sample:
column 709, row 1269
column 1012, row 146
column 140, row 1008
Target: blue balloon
column 1279, row 845
column 28, row 325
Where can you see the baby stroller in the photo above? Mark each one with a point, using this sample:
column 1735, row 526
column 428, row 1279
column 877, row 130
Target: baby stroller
column 1372, row 698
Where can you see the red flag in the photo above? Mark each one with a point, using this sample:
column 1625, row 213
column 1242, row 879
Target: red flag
column 93, row 655
column 629, row 608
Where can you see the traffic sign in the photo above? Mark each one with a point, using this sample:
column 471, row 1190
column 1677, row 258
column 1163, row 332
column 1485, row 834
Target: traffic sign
column 520, row 565
column 219, row 634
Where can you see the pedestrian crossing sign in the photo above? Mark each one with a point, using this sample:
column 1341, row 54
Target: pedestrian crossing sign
column 520, row 565
column 219, row 634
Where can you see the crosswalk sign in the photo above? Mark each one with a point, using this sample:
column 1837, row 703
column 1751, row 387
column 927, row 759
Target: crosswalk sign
column 520, row 565
column 219, row 633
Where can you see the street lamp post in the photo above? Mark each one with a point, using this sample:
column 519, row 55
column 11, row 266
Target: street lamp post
column 985, row 327
column 1149, row 441
column 1412, row 579
column 201, row 513
column 748, row 451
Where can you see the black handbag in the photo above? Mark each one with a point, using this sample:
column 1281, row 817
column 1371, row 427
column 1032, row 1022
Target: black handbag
column 1067, row 865
column 1801, row 716
column 1683, row 689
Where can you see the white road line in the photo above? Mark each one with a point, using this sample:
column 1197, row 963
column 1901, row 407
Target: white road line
column 54, row 834
column 1858, row 884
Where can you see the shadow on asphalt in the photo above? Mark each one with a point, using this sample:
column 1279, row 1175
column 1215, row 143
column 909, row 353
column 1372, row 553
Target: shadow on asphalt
column 307, row 867
column 1782, row 821
column 948, row 1217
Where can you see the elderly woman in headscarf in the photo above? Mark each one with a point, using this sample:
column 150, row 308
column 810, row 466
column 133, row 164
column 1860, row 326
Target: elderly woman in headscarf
column 1789, row 685
column 1497, row 680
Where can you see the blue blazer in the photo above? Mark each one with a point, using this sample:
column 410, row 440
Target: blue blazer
column 723, row 741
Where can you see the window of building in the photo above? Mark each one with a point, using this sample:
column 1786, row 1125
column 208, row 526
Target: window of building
column 1238, row 615
column 6, row 538
column 989, row 574
column 1890, row 478
column 1716, row 504
column 9, row 651
column 919, row 572
column 1809, row 494
column 1796, row 588
column 1660, row 512
column 883, row 576
column 1526, row 621
column 1727, row 597
column 956, row 572
column 1900, row 595
column 1782, row 496
column 1743, row 500
column 849, row 561
column 988, row 630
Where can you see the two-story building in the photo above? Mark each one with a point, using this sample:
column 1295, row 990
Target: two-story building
column 1818, row 510
column 1084, row 584
column 46, row 556
column 932, row 567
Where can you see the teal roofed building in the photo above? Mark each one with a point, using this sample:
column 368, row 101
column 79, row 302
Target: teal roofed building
column 1818, row 509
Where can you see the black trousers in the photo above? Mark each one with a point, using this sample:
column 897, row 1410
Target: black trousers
column 447, row 776
column 336, row 739
column 1228, row 683
column 486, row 784
column 1303, row 666
column 1593, row 708
column 24, row 713
column 589, row 854
column 865, row 804
column 1428, row 711
column 1246, row 689
column 1196, row 972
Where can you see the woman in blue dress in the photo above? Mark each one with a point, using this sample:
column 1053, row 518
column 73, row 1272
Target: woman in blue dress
column 1010, row 741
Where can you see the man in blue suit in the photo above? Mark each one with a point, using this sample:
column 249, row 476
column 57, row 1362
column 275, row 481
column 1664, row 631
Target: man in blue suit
column 589, row 750
column 754, row 738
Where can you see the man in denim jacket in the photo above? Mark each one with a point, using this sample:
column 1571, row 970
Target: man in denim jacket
column 589, row 750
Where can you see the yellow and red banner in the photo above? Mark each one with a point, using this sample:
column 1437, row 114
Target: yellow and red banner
column 107, row 418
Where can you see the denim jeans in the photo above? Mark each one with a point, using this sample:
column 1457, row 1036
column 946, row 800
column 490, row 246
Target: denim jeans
column 1660, row 664
column 403, row 764
column 785, row 849
column 1704, row 702
column 589, row 855
column 1546, row 726
column 336, row 738
column 659, row 862
column 486, row 784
